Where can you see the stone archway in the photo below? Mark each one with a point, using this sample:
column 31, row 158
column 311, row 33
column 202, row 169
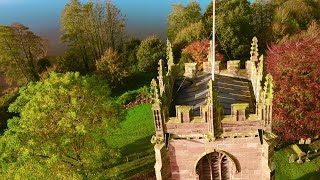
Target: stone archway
column 215, row 165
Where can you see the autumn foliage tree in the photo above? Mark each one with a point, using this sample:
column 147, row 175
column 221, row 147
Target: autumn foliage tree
column 295, row 67
column 112, row 67
column 198, row 51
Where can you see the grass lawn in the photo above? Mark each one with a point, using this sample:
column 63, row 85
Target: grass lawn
column 133, row 139
column 295, row 171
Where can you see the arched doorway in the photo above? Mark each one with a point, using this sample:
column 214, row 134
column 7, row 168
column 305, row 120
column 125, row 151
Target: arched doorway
column 215, row 165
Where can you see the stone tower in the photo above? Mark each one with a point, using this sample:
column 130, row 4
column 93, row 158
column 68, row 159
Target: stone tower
column 213, row 130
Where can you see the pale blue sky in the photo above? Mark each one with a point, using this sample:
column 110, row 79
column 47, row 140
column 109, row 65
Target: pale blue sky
column 144, row 17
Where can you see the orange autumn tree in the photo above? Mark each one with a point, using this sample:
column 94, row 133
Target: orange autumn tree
column 198, row 51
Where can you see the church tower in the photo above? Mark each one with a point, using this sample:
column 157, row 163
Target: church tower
column 217, row 129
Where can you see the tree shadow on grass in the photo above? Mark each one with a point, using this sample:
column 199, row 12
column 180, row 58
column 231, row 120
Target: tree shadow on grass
column 311, row 176
column 136, row 150
column 137, row 157
column 138, row 146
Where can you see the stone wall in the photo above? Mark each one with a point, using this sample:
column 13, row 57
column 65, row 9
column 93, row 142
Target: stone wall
column 162, row 166
column 248, row 153
column 187, row 128
column 241, row 127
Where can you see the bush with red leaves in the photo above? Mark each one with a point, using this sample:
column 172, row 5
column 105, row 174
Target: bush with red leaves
column 295, row 67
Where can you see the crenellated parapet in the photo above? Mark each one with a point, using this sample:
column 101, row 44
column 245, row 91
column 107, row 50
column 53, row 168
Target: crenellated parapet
column 240, row 117
column 161, row 92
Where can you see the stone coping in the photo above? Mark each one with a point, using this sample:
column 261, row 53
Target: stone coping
column 184, row 108
column 240, row 106
column 233, row 61
column 224, row 72
column 195, row 120
column 230, row 119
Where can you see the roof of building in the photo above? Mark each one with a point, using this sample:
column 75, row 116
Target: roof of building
column 234, row 90
column 193, row 92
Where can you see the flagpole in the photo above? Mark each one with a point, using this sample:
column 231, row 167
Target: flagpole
column 213, row 38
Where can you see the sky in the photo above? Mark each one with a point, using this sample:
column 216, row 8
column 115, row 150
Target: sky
column 144, row 17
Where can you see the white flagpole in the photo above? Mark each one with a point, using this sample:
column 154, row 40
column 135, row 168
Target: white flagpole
column 213, row 38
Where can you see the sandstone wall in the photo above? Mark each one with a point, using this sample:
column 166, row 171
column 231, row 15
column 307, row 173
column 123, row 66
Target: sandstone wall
column 249, row 153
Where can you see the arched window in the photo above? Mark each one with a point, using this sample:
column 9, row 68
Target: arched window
column 214, row 166
column 157, row 119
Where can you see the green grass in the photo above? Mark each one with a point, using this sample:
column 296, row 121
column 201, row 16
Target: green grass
column 133, row 139
column 295, row 171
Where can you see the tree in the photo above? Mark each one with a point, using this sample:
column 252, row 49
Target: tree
column 295, row 67
column 198, row 51
column 111, row 66
column 291, row 17
column 20, row 51
column 73, row 30
column 61, row 131
column 5, row 101
column 129, row 54
column 91, row 28
column 182, row 17
column 68, row 61
column 194, row 31
column 150, row 51
column 207, row 19
column 233, row 27
column 262, row 13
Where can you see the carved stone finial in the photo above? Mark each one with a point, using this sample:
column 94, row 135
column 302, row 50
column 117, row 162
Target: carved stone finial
column 169, row 55
column 160, row 76
column 154, row 91
column 160, row 68
column 260, row 68
column 268, row 85
column 254, row 50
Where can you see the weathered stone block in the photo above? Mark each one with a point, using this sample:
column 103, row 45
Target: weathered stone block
column 240, row 111
column 207, row 67
column 190, row 69
column 249, row 69
column 308, row 141
column 233, row 67
column 217, row 67
column 184, row 113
